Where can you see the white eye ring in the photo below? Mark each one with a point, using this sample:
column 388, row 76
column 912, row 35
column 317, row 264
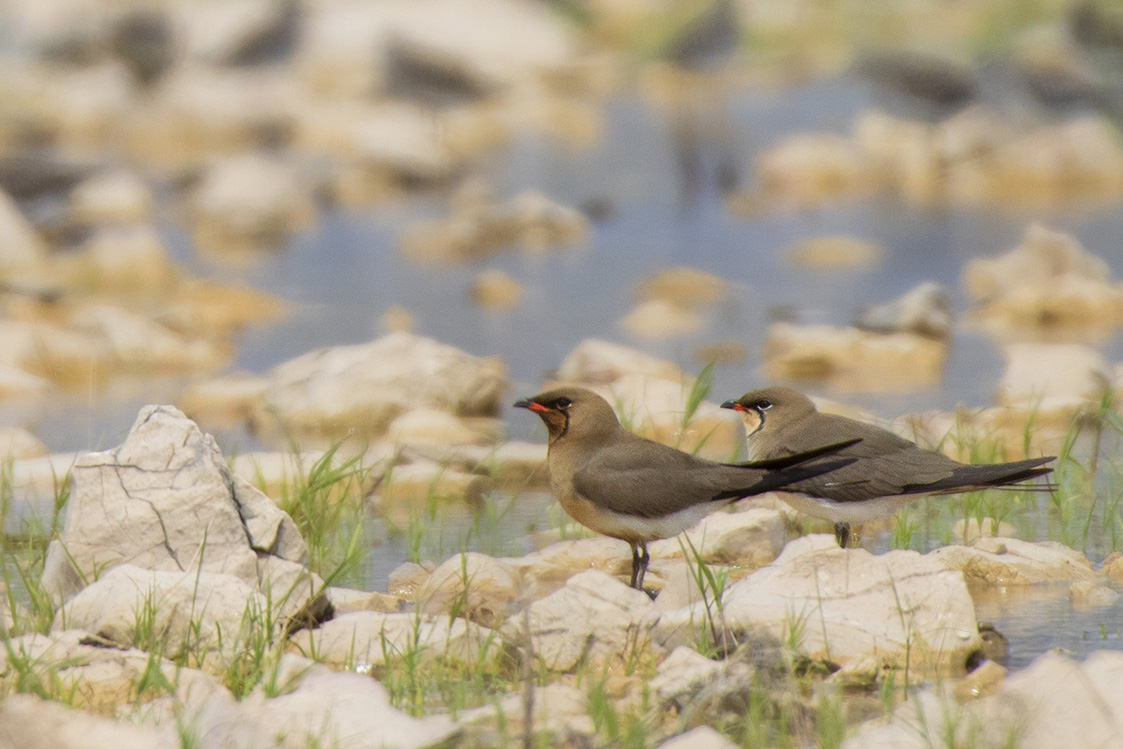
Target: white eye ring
column 763, row 405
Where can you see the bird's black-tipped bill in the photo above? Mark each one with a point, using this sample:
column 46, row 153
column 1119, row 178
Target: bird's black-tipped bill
column 530, row 405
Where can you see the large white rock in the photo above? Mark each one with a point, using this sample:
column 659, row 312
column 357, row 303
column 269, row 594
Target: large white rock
column 165, row 500
column 1011, row 561
column 593, row 619
column 365, row 387
column 186, row 610
column 102, row 675
column 846, row 603
column 326, row 709
column 1054, row 702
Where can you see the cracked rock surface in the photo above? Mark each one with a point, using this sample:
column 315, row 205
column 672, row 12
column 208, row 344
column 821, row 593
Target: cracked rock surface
column 166, row 500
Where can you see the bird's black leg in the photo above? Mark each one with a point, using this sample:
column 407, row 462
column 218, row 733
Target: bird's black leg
column 636, row 564
column 842, row 533
column 644, row 558
column 640, row 558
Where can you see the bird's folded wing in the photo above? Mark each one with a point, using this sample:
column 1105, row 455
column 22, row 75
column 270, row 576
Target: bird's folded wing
column 653, row 484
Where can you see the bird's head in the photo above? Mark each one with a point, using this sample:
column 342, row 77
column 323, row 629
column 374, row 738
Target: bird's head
column 572, row 411
column 776, row 405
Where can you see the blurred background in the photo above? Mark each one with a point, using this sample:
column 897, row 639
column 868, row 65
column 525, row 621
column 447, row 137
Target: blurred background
column 201, row 190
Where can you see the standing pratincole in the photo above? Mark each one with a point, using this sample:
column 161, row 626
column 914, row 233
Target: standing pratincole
column 622, row 485
column 889, row 470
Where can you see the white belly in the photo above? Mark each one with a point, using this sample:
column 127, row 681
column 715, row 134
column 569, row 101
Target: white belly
column 620, row 526
column 848, row 512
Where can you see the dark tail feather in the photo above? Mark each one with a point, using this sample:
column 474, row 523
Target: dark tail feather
column 779, row 478
column 775, row 464
column 977, row 477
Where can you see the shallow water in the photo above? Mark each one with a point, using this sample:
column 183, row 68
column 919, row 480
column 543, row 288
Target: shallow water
column 343, row 274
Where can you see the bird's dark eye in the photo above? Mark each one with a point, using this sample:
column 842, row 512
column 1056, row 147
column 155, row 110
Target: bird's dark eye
column 562, row 403
column 762, row 405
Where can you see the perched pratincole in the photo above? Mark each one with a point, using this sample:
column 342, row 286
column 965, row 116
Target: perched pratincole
column 889, row 471
column 627, row 487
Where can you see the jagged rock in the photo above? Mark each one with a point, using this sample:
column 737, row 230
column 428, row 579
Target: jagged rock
column 898, row 606
column 165, row 500
column 347, row 709
column 1011, row 561
column 363, row 388
column 1053, row 702
column 480, row 588
column 593, row 619
column 835, row 252
column 925, row 310
column 112, row 197
column 852, row 359
column 366, row 637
